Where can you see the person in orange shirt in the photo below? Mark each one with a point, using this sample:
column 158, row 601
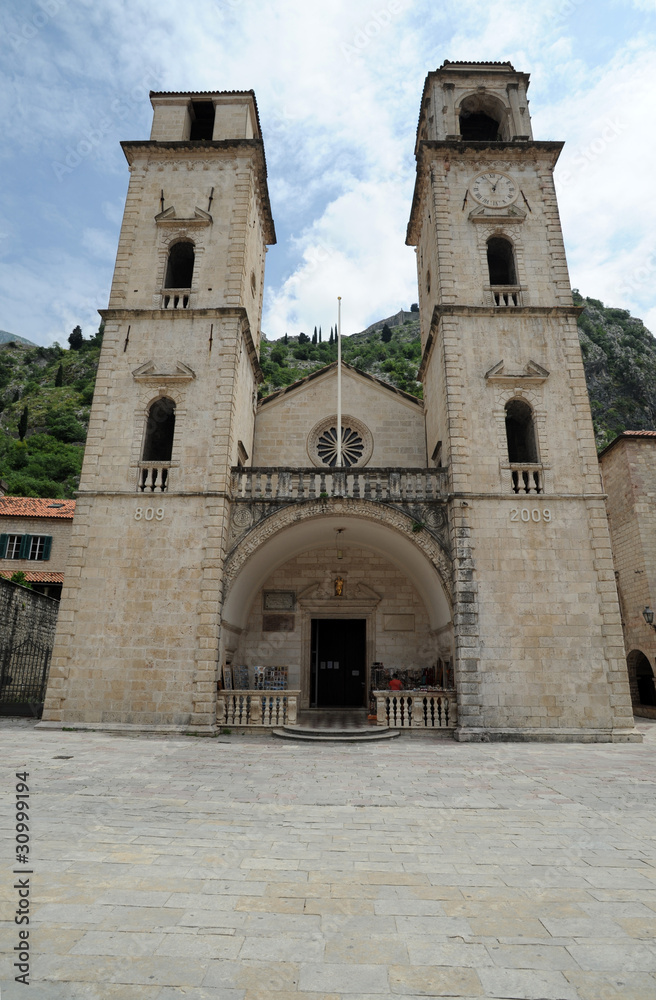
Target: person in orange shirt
column 395, row 684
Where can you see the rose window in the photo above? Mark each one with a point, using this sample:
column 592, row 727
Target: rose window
column 357, row 442
column 352, row 446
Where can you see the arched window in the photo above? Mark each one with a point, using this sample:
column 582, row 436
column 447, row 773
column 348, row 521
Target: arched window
column 180, row 265
column 160, row 427
column 501, row 261
column 520, row 433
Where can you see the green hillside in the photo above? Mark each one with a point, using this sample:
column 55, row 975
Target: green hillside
column 46, row 392
column 45, row 395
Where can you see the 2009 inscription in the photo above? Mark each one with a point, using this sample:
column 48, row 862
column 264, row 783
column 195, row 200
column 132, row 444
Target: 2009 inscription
column 536, row 515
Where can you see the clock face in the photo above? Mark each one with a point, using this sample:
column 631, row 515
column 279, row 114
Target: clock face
column 493, row 189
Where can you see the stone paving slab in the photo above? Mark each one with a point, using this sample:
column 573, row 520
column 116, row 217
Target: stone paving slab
column 241, row 868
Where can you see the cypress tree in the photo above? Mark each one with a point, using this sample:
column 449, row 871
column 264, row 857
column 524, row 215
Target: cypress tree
column 22, row 424
column 319, row 334
column 59, row 377
column 76, row 339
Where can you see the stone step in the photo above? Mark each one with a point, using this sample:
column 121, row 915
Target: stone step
column 326, row 735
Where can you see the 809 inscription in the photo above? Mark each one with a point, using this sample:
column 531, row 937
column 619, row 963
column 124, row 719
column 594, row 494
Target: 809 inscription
column 534, row 514
column 149, row 514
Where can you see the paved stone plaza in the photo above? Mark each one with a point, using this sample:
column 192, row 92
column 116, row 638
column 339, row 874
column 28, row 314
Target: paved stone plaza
column 241, row 868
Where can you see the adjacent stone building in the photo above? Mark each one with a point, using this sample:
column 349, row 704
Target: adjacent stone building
column 463, row 536
column 34, row 538
column 628, row 467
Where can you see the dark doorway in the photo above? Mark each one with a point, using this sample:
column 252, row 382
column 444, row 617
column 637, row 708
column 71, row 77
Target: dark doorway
column 338, row 678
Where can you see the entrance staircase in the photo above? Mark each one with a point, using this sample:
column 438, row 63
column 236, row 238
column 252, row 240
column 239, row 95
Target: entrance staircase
column 335, row 725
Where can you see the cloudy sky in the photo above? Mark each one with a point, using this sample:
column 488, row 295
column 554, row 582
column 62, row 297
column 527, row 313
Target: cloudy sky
column 338, row 86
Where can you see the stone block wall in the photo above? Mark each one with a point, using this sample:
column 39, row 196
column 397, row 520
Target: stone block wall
column 25, row 614
column 629, row 475
column 283, row 425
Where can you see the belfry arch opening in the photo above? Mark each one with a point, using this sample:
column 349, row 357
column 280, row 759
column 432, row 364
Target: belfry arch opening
column 481, row 119
column 501, row 261
column 180, row 265
column 202, row 120
column 160, row 428
column 520, row 433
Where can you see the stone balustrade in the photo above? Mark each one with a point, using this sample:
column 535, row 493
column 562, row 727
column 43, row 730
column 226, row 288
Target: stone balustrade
column 396, row 485
column 416, row 709
column 176, row 298
column 257, row 708
column 153, row 477
column 506, row 296
column 526, row 478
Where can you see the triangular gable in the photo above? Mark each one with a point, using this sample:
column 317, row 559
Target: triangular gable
column 177, row 371
column 329, row 371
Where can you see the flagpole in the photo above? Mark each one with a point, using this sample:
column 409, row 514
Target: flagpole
column 338, row 462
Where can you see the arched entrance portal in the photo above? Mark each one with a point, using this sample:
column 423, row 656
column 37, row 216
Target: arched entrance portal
column 641, row 678
column 337, row 599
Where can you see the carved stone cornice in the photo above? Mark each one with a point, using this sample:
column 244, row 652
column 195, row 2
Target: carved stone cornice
column 164, row 372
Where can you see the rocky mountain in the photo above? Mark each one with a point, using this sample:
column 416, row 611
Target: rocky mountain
column 7, row 338
column 46, row 392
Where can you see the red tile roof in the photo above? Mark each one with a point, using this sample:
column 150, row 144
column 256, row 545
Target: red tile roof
column 36, row 577
column 36, row 507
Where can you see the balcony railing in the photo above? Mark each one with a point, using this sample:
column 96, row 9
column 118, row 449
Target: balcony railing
column 153, row 477
column 526, row 478
column 416, row 709
column 176, row 298
column 506, row 295
column 257, row 708
column 314, row 484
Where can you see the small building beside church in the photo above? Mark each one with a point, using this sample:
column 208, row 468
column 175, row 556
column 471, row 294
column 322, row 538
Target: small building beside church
column 628, row 468
column 34, row 538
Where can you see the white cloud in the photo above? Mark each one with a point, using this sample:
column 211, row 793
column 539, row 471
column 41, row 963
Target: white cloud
column 338, row 87
column 352, row 252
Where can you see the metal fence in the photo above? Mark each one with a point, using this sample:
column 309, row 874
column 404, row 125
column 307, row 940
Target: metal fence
column 23, row 677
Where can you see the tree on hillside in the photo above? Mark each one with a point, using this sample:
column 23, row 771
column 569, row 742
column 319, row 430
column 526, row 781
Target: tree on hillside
column 319, row 334
column 386, row 334
column 285, row 339
column 331, row 339
column 22, row 424
column 59, row 377
column 414, row 308
column 76, row 339
column 314, row 336
column 303, row 338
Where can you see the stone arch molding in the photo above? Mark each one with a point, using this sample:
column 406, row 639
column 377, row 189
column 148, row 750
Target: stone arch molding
column 534, row 396
column 421, row 550
column 146, row 396
column 513, row 236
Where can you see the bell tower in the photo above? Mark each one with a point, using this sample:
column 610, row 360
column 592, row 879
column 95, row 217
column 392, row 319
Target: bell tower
column 539, row 650
column 173, row 410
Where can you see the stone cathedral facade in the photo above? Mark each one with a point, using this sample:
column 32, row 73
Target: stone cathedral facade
column 464, row 537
